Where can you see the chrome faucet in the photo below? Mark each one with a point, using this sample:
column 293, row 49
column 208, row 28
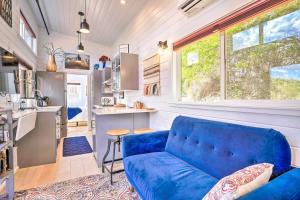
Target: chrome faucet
column 22, row 106
column 38, row 91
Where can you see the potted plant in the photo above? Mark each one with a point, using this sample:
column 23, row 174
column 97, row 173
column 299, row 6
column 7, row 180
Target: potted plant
column 52, row 52
column 104, row 59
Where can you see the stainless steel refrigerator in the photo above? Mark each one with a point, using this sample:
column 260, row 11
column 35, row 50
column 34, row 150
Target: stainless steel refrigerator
column 53, row 85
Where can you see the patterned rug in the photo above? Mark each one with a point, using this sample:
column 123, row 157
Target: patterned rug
column 95, row 187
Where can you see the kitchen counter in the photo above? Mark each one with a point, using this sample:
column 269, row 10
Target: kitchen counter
column 116, row 110
column 107, row 118
column 4, row 109
column 49, row 109
column 21, row 113
column 38, row 146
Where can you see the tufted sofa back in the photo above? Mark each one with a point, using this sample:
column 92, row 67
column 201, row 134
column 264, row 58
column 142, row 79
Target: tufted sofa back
column 220, row 149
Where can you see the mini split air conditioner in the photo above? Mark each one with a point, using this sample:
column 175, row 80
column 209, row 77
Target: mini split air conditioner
column 191, row 7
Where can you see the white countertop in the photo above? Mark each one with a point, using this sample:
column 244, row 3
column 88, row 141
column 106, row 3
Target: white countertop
column 4, row 109
column 49, row 109
column 21, row 113
column 116, row 110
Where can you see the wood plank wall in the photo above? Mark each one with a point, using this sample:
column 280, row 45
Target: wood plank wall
column 167, row 23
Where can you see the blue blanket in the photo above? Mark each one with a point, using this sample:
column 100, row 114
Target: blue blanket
column 73, row 111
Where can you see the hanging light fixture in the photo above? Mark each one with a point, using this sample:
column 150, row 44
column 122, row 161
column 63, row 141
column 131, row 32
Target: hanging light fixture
column 80, row 47
column 78, row 58
column 84, row 26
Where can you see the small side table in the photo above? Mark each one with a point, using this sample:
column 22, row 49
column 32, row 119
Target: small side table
column 117, row 133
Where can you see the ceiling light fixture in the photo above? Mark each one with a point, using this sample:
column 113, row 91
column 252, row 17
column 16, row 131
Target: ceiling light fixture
column 78, row 58
column 84, row 26
column 80, row 47
column 123, row 2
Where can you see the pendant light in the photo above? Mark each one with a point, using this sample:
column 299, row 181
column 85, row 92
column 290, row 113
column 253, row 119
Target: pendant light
column 84, row 26
column 80, row 47
column 78, row 58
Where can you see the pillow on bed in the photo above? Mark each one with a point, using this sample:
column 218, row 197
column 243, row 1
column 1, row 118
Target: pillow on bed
column 241, row 182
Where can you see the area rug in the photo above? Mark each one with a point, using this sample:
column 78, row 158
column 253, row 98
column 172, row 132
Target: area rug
column 95, row 187
column 76, row 146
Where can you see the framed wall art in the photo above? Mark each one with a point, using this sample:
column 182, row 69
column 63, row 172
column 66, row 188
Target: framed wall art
column 152, row 76
column 76, row 61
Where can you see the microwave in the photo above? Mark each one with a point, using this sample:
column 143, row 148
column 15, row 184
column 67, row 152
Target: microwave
column 107, row 101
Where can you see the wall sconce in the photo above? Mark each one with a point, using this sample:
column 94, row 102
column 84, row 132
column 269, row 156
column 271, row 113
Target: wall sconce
column 163, row 44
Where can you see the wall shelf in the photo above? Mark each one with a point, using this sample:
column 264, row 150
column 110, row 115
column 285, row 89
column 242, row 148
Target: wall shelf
column 8, row 176
column 125, row 72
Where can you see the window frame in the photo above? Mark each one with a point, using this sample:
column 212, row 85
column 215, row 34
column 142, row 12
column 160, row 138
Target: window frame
column 224, row 102
column 26, row 27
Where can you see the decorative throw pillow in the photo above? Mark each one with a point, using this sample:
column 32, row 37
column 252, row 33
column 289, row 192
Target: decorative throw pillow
column 241, row 182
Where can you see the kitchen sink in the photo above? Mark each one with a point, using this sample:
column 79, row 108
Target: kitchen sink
column 26, row 122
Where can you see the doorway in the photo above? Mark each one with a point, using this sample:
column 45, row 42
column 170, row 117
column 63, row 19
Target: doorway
column 77, row 99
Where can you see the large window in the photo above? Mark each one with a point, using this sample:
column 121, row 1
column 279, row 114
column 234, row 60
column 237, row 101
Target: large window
column 260, row 59
column 200, row 70
column 27, row 33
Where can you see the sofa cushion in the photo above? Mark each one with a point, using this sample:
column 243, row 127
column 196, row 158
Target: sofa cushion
column 241, row 182
column 162, row 176
column 220, row 149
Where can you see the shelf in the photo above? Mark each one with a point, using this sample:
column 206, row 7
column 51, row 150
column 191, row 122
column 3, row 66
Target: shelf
column 6, row 176
column 5, row 144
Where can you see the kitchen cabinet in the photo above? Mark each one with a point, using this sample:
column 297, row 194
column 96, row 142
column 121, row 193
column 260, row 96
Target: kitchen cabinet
column 39, row 146
column 125, row 72
column 97, row 87
column 53, row 86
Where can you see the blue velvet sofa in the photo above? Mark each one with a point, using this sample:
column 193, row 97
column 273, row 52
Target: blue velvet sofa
column 187, row 161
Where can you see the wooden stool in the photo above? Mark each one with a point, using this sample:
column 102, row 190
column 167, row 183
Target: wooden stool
column 142, row 130
column 115, row 133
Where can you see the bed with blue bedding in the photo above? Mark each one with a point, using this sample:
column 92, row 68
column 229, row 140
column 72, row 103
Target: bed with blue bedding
column 73, row 112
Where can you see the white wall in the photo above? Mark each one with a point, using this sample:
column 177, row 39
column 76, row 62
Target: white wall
column 161, row 20
column 69, row 45
column 10, row 38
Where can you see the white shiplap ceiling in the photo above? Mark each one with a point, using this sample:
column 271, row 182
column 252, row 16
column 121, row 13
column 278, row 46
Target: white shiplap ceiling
column 107, row 18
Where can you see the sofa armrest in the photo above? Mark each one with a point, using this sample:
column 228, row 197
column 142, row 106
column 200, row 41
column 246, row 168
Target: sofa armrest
column 144, row 143
column 284, row 187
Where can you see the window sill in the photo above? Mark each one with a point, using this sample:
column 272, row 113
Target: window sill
column 287, row 108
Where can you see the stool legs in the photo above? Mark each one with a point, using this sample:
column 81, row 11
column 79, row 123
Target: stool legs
column 119, row 143
column 106, row 154
column 131, row 189
column 115, row 142
column 112, row 162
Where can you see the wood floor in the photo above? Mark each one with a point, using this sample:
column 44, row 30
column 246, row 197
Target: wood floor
column 65, row 168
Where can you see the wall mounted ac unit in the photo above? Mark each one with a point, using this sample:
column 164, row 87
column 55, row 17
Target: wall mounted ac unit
column 191, row 7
